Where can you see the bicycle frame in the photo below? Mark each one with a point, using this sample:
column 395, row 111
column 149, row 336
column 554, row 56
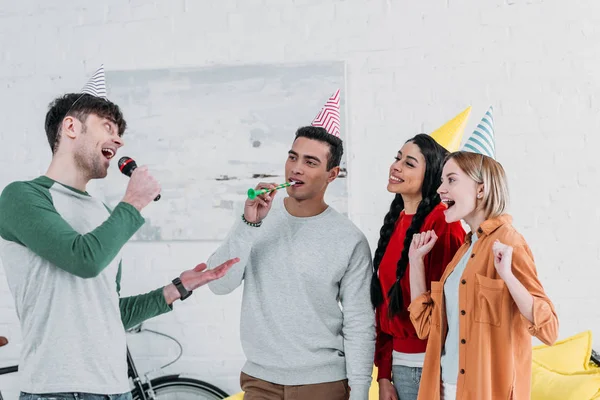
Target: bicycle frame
column 135, row 376
column 8, row 370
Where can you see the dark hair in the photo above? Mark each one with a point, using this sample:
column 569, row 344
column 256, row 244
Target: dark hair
column 336, row 149
column 79, row 106
column 434, row 155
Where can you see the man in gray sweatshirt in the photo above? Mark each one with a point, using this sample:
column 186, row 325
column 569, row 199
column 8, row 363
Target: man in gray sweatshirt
column 307, row 324
column 61, row 249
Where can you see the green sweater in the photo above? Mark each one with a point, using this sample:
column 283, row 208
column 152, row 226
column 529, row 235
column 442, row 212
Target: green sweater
column 61, row 249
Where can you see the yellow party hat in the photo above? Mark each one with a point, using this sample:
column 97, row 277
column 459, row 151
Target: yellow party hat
column 450, row 134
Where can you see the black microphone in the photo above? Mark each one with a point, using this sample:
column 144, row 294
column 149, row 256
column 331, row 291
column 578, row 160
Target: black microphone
column 127, row 166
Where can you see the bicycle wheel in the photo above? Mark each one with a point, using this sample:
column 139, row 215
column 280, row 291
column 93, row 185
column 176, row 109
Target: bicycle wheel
column 175, row 387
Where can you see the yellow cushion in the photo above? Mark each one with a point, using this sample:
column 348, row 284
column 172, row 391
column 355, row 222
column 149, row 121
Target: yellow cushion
column 549, row 384
column 594, row 367
column 569, row 355
column 373, row 390
column 237, row 396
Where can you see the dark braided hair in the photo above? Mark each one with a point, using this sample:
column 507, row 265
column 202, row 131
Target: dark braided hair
column 434, row 155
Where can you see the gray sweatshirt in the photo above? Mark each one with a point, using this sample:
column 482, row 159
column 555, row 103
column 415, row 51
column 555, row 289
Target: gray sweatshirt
column 306, row 312
column 61, row 250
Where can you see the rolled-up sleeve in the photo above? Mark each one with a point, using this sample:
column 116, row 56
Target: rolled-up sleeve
column 420, row 310
column 545, row 321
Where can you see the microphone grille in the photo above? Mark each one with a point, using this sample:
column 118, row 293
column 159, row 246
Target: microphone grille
column 127, row 165
column 123, row 160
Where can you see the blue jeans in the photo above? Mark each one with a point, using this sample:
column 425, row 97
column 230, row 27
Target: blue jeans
column 74, row 396
column 406, row 381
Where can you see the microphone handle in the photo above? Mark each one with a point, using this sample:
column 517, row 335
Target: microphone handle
column 157, row 198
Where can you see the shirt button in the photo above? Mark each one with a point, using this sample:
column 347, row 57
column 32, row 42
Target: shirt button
column 463, row 341
column 479, row 230
column 462, row 312
column 472, row 255
column 463, row 281
column 462, row 371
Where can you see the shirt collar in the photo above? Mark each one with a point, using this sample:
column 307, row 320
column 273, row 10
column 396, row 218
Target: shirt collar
column 490, row 225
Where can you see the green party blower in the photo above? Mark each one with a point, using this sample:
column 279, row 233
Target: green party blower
column 253, row 193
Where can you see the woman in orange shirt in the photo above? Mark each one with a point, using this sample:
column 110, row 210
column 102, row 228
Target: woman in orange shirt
column 479, row 318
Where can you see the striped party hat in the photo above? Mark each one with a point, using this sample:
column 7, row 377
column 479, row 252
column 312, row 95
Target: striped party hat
column 450, row 134
column 96, row 86
column 329, row 116
column 482, row 139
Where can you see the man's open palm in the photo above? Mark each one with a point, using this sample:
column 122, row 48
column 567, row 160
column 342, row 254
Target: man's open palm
column 199, row 276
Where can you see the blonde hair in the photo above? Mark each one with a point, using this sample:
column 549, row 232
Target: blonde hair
column 489, row 172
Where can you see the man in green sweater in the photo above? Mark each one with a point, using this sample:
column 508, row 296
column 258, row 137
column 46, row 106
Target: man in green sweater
column 61, row 249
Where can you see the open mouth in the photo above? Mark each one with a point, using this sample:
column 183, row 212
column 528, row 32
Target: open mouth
column 394, row 179
column 449, row 203
column 108, row 153
column 297, row 182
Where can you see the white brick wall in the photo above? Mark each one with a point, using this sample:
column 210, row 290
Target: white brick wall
column 410, row 65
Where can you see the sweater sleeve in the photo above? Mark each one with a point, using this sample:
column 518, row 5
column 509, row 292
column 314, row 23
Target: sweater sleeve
column 238, row 243
column 545, row 320
column 137, row 309
column 420, row 311
column 383, row 348
column 359, row 321
column 28, row 217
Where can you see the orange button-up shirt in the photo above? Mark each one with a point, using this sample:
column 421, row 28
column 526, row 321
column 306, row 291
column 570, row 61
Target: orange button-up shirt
column 495, row 339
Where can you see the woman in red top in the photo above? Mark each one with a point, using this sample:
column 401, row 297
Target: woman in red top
column 414, row 177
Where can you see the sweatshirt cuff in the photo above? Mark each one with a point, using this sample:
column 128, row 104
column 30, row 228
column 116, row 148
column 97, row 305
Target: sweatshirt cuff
column 245, row 232
column 385, row 371
column 158, row 297
column 359, row 392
